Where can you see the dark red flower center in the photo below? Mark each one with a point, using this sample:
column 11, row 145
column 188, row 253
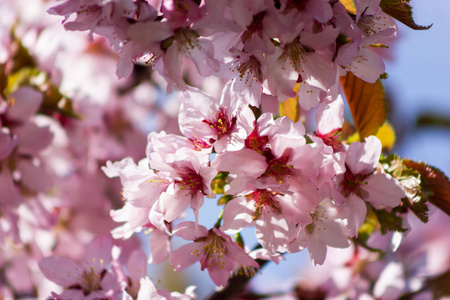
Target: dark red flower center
column 191, row 181
column 332, row 139
column 223, row 123
column 279, row 167
column 264, row 199
column 351, row 184
column 256, row 142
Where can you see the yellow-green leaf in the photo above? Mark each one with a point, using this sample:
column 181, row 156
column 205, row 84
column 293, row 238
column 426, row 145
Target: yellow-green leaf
column 218, row 183
column 434, row 180
column 291, row 108
column 367, row 104
column 416, row 196
column 20, row 78
column 20, row 56
column 54, row 101
column 349, row 6
column 402, row 11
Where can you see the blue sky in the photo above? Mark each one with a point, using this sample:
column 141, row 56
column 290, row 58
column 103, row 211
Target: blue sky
column 419, row 81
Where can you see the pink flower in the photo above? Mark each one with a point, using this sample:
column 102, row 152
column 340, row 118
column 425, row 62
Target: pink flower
column 215, row 251
column 359, row 183
column 189, row 179
column 326, row 229
column 91, row 278
column 223, row 124
column 273, row 213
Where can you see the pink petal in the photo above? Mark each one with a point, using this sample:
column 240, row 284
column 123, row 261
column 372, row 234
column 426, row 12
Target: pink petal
column 186, row 255
column 243, row 162
column 7, row 144
column 238, row 214
column 384, row 189
column 62, row 271
column 26, row 103
column 137, row 264
column 186, row 230
column 33, row 139
column 160, row 247
column 362, row 158
column 317, row 250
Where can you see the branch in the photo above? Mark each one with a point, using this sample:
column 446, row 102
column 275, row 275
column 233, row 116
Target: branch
column 236, row 284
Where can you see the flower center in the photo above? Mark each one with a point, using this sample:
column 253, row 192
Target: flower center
column 191, row 181
column 295, row 53
column 248, row 69
column 351, row 184
column 264, row 199
column 256, row 142
column 223, row 123
column 213, row 251
column 279, row 168
column 255, row 26
column 368, row 25
column 90, row 281
column 187, row 39
column 332, row 139
column 198, row 144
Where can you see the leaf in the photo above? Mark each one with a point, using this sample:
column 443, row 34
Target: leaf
column 224, row 199
column 402, row 11
column 20, row 56
column 291, row 108
column 20, row 78
column 349, row 6
column 436, row 182
column 416, row 197
column 390, row 221
column 385, row 134
column 218, row 183
column 367, row 104
column 53, row 102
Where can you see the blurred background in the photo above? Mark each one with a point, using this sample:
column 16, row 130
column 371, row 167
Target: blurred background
column 418, row 89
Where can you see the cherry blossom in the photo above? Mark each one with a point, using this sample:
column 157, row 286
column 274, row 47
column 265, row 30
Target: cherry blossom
column 90, row 278
column 215, row 251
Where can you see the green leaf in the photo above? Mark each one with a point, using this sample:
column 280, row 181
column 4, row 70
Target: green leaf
column 367, row 104
column 435, row 182
column 53, row 102
column 390, row 221
column 416, row 197
column 402, row 11
column 224, row 199
column 20, row 78
column 239, row 240
column 218, row 183
column 20, row 56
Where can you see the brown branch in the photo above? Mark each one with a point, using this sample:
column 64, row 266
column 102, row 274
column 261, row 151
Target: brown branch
column 235, row 284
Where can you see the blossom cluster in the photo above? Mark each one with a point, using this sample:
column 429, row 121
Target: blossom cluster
column 66, row 121
column 264, row 45
column 297, row 189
